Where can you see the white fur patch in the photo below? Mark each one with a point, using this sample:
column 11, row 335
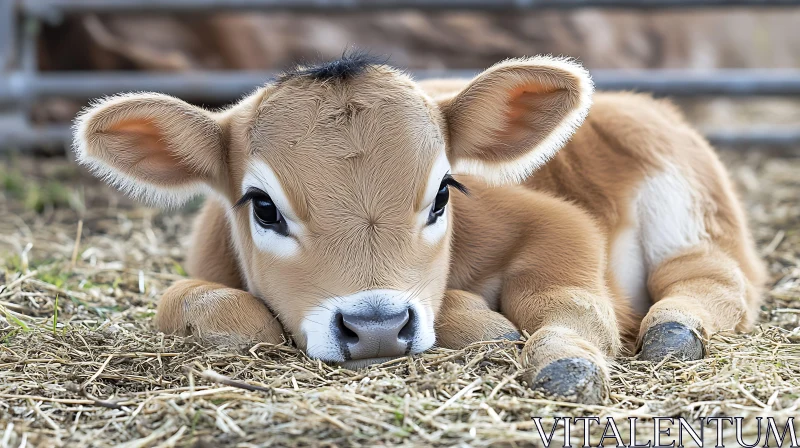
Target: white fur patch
column 628, row 265
column 261, row 176
column 435, row 232
column 669, row 215
column 519, row 169
column 319, row 324
column 666, row 219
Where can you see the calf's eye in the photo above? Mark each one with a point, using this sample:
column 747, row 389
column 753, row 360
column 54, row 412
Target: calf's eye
column 265, row 213
column 442, row 197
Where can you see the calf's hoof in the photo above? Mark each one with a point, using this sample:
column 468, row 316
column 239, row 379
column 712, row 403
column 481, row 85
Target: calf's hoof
column 572, row 379
column 511, row 336
column 671, row 338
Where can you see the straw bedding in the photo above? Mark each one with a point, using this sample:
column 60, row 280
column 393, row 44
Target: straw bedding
column 80, row 364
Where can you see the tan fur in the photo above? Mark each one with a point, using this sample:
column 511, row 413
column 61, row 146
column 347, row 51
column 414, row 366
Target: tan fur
column 210, row 310
column 354, row 159
column 712, row 286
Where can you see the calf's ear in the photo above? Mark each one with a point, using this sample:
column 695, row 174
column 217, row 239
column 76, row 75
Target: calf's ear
column 152, row 146
column 515, row 116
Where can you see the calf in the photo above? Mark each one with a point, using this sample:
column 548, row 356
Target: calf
column 371, row 217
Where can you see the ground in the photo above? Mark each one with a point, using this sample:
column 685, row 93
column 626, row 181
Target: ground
column 80, row 364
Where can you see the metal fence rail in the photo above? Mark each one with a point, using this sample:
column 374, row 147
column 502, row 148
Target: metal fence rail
column 21, row 83
column 217, row 86
column 22, row 134
column 54, row 8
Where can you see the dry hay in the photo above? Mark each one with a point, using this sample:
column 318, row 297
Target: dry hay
column 100, row 376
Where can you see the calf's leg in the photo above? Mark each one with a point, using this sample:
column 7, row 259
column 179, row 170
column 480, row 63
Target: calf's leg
column 697, row 293
column 703, row 273
column 465, row 318
column 216, row 313
column 555, row 290
column 572, row 333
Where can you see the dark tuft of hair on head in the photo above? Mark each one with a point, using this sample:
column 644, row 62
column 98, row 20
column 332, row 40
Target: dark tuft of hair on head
column 345, row 68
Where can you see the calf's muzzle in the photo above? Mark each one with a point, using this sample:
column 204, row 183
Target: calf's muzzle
column 376, row 333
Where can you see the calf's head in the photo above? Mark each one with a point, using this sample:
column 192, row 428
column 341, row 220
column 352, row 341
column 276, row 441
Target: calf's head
column 336, row 181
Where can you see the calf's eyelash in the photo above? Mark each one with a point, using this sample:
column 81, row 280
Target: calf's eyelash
column 248, row 196
column 450, row 181
column 253, row 192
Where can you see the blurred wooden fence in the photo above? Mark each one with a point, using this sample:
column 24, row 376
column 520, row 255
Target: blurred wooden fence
column 21, row 83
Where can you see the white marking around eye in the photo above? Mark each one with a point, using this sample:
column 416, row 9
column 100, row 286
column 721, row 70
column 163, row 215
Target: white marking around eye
column 434, row 232
column 261, row 176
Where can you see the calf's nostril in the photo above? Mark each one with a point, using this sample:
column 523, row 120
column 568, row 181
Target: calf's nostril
column 349, row 334
column 407, row 332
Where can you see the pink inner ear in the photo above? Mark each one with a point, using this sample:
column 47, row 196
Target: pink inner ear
column 533, row 113
column 516, row 98
column 147, row 154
